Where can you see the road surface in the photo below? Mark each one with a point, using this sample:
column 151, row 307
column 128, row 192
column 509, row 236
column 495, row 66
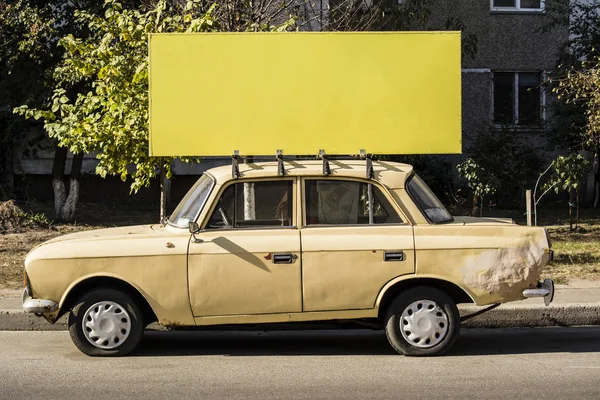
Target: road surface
column 552, row 363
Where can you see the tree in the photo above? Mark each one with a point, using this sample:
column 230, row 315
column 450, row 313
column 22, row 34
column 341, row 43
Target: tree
column 576, row 124
column 111, row 62
column 581, row 86
column 27, row 32
column 479, row 180
column 568, row 174
column 28, row 59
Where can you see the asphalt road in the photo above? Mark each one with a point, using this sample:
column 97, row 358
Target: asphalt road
column 553, row 363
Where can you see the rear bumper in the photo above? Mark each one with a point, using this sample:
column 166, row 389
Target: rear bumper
column 37, row 306
column 544, row 289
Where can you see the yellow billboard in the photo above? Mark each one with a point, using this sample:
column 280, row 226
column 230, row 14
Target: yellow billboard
column 301, row 92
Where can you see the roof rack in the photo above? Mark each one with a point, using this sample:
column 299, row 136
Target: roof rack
column 235, row 168
column 281, row 171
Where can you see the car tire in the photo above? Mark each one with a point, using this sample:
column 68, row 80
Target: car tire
column 422, row 321
column 106, row 322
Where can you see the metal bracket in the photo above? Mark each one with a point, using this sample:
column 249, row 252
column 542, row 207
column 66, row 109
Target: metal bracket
column 235, row 168
column 280, row 166
column 326, row 167
column 370, row 171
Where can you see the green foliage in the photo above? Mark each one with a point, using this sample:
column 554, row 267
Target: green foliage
column 480, row 181
column 581, row 86
column 509, row 156
column 27, row 34
column 568, row 174
column 38, row 219
column 575, row 122
column 110, row 116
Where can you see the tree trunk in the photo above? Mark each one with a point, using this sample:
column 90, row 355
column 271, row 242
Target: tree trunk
column 164, row 189
column 481, row 206
column 58, row 180
column 596, row 171
column 571, row 209
column 474, row 210
column 70, row 204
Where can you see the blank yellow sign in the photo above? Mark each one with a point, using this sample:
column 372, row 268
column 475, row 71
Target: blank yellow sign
column 384, row 92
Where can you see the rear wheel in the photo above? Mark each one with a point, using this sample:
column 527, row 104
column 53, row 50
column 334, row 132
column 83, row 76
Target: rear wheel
column 106, row 322
column 422, row 321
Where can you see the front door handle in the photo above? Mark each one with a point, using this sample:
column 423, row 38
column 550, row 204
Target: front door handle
column 393, row 256
column 283, row 258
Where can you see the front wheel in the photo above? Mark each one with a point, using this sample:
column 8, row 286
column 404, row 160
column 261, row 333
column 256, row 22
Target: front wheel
column 106, row 322
column 422, row 321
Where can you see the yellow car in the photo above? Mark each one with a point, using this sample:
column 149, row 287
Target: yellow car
column 345, row 240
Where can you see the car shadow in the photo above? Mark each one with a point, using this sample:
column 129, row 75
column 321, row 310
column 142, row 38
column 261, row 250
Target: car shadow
column 472, row 342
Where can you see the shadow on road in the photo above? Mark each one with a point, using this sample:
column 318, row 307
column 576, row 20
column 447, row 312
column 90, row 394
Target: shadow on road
column 472, row 342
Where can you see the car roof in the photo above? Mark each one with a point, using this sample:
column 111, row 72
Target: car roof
column 390, row 174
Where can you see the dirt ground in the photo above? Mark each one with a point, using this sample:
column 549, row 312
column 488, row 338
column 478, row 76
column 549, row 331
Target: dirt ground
column 577, row 252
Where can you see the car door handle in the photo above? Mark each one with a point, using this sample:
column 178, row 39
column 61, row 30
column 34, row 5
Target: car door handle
column 393, row 256
column 283, row 258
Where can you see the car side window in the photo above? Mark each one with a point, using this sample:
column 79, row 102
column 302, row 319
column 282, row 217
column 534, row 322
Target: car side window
column 254, row 205
column 337, row 202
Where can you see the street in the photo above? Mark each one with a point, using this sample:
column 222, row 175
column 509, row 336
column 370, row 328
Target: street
column 493, row 363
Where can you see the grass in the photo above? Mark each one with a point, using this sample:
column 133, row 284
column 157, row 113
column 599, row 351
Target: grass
column 576, row 253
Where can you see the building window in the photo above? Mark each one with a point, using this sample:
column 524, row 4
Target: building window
column 517, row 5
column 517, row 98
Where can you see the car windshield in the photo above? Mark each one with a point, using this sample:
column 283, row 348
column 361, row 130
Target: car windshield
column 427, row 201
column 191, row 205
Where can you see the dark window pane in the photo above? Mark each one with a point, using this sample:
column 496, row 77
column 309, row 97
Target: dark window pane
column 531, row 4
column 504, row 3
column 529, row 98
column 344, row 202
column 264, row 204
column 504, row 97
column 223, row 214
column 254, row 204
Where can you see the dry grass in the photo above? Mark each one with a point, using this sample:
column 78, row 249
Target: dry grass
column 576, row 253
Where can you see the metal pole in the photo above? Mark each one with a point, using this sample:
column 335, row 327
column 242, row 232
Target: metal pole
column 528, row 205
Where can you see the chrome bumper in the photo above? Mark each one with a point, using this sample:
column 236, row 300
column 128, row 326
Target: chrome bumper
column 545, row 289
column 37, row 306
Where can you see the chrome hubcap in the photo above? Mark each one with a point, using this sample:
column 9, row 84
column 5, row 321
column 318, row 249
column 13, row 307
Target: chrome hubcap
column 424, row 324
column 106, row 325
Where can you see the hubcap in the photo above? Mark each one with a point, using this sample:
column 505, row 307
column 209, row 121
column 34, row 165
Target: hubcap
column 106, row 325
column 424, row 324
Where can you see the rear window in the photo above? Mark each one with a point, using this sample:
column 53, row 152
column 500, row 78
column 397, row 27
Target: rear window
column 428, row 202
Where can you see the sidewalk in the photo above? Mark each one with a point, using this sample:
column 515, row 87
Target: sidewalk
column 573, row 305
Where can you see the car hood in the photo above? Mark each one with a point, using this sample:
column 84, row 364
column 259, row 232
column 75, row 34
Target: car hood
column 103, row 234
column 483, row 221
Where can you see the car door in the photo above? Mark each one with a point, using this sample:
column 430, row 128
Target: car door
column 354, row 240
column 246, row 260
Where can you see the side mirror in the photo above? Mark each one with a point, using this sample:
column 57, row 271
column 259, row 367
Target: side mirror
column 193, row 227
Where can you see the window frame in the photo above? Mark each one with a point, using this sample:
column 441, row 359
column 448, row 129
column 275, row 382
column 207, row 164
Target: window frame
column 515, row 120
column 226, row 185
column 518, row 9
column 384, row 191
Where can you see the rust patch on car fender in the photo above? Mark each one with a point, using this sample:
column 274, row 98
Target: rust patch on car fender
column 507, row 271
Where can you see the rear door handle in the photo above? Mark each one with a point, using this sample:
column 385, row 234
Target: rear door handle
column 393, row 256
column 283, row 258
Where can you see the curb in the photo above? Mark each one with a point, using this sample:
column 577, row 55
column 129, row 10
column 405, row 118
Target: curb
column 527, row 316
column 505, row 316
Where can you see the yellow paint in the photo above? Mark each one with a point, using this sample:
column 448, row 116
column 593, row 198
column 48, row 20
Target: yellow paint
column 385, row 92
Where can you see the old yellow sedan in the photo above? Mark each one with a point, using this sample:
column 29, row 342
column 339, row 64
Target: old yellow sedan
column 349, row 240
